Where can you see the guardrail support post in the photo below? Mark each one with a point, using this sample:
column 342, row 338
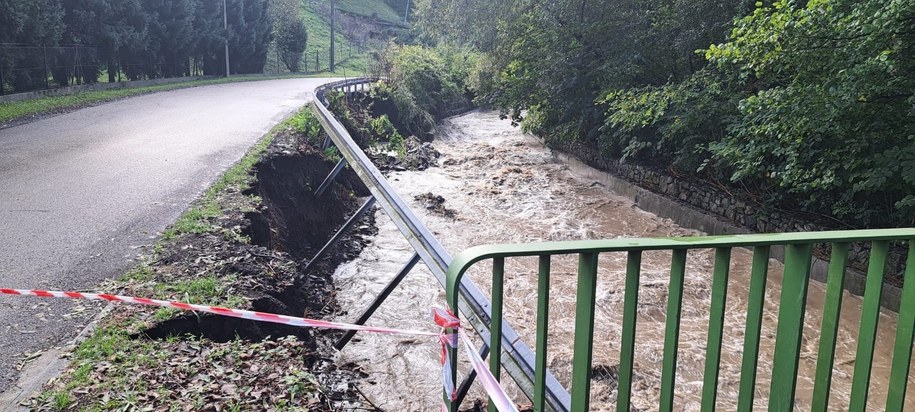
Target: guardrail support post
column 330, row 177
column 379, row 300
column 345, row 228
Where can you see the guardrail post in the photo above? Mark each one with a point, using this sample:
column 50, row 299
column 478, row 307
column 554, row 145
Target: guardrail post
column 330, row 177
column 379, row 300
column 345, row 228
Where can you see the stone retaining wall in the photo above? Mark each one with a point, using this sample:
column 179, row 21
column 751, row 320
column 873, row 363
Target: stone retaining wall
column 704, row 207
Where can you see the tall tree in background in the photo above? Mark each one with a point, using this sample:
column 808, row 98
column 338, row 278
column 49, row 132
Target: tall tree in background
column 250, row 33
column 171, row 35
column 289, row 31
column 28, row 22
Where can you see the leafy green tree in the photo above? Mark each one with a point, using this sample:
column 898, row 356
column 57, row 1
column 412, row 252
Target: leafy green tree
column 171, row 36
column 23, row 23
column 829, row 113
column 289, row 32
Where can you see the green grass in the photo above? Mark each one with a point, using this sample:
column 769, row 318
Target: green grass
column 318, row 27
column 319, row 41
column 367, row 8
column 12, row 111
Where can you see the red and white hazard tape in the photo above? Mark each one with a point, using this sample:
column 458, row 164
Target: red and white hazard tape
column 442, row 317
column 497, row 395
column 235, row 313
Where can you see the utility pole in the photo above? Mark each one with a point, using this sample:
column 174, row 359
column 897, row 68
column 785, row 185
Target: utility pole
column 406, row 13
column 333, row 16
column 225, row 25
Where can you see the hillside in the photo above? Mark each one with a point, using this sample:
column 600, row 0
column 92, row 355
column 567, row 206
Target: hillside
column 358, row 34
column 372, row 8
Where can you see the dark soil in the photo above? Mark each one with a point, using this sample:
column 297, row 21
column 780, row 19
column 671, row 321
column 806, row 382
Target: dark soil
column 435, row 204
column 416, row 156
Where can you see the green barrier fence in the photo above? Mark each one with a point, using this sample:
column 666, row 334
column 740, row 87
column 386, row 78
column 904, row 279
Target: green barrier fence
column 792, row 307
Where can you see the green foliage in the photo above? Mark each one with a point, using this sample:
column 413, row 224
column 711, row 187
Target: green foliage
column 306, row 124
column 290, row 32
column 384, row 131
column 426, row 84
column 132, row 39
column 672, row 123
column 427, row 76
column 827, row 112
column 318, row 26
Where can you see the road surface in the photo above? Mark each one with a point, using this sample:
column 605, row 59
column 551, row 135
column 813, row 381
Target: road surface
column 82, row 193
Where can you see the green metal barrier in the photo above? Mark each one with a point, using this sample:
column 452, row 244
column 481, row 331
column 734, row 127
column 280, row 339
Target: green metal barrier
column 798, row 255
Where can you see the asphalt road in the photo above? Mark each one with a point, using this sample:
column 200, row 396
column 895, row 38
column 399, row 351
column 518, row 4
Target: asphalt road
column 83, row 194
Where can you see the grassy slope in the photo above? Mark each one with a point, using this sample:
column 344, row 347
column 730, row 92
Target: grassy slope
column 318, row 28
column 369, row 7
column 319, row 40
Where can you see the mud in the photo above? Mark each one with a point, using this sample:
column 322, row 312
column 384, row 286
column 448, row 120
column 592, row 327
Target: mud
column 507, row 188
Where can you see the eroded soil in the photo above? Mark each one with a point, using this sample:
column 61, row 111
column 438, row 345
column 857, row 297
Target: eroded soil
column 248, row 254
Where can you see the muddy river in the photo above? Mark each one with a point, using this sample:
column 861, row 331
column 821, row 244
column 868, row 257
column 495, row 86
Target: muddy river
column 504, row 186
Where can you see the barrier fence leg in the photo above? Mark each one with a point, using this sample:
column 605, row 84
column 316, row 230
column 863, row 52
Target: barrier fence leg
column 345, row 228
column 330, row 177
column 378, row 300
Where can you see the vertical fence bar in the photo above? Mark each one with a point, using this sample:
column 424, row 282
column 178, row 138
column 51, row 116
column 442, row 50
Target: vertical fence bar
column 867, row 334
column 584, row 331
column 627, row 344
column 790, row 327
column 495, row 328
column 672, row 329
column 835, row 281
column 543, row 310
column 715, row 327
column 755, row 303
column 905, row 335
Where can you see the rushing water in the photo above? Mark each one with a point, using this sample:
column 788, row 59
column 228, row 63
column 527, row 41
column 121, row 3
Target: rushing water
column 505, row 187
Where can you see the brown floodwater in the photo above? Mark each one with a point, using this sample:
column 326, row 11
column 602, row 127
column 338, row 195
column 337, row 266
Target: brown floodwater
column 506, row 187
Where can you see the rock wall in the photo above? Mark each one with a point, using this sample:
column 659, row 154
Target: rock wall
column 714, row 210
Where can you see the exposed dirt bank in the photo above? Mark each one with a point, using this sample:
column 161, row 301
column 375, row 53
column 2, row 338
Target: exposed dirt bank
column 243, row 245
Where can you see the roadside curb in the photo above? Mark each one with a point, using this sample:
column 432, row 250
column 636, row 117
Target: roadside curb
column 47, row 367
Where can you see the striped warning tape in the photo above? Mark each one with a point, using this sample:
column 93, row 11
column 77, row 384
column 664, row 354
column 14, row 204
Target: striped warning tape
column 235, row 313
column 442, row 317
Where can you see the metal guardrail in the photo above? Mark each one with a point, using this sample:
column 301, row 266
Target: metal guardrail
column 790, row 314
column 519, row 362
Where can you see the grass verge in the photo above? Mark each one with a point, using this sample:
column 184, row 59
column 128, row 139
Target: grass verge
column 203, row 258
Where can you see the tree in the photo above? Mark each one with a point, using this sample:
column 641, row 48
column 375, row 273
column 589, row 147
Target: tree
column 828, row 112
column 31, row 24
column 289, row 31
